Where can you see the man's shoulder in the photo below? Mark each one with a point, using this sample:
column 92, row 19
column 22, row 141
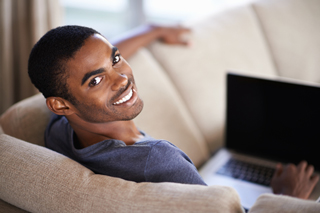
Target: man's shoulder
column 162, row 148
column 165, row 149
column 61, row 119
column 58, row 125
column 58, row 133
column 156, row 143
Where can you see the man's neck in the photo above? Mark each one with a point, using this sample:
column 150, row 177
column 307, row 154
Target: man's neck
column 87, row 134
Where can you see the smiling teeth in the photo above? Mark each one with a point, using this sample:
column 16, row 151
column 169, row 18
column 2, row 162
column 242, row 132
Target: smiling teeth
column 124, row 99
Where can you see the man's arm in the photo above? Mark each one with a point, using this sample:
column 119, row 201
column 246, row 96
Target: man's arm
column 129, row 43
column 297, row 181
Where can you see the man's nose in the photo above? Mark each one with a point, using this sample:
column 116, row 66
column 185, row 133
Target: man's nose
column 118, row 80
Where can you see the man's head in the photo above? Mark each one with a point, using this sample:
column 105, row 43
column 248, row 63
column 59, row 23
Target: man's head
column 47, row 61
column 83, row 75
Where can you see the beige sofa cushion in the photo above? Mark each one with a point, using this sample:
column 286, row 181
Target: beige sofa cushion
column 40, row 180
column 230, row 40
column 165, row 115
column 292, row 29
column 283, row 204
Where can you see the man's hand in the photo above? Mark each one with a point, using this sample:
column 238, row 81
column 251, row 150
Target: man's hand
column 173, row 35
column 297, row 181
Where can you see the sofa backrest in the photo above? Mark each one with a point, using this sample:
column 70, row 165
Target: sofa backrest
column 292, row 31
column 266, row 37
column 231, row 40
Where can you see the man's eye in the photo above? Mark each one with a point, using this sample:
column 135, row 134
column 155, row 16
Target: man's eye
column 95, row 81
column 116, row 59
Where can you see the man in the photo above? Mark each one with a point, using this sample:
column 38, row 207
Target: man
column 91, row 90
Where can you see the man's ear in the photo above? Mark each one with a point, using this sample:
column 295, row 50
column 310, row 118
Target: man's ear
column 59, row 106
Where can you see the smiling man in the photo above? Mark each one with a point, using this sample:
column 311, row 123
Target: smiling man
column 90, row 88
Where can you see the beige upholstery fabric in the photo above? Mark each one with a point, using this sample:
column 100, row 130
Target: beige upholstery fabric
column 284, row 204
column 165, row 115
column 292, row 29
column 27, row 119
column 231, row 40
column 39, row 180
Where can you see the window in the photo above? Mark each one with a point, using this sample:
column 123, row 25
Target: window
column 107, row 17
column 175, row 11
column 113, row 17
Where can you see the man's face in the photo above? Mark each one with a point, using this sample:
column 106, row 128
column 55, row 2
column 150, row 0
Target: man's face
column 102, row 82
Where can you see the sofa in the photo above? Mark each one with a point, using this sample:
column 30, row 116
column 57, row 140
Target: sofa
column 183, row 89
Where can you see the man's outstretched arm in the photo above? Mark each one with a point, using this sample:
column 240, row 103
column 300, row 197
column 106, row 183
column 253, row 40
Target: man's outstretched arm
column 130, row 42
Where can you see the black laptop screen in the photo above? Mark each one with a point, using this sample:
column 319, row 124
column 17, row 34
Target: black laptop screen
column 273, row 119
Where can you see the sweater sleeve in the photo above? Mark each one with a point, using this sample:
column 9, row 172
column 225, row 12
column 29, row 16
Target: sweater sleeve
column 167, row 163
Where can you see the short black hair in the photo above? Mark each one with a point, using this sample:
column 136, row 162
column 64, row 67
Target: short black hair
column 48, row 57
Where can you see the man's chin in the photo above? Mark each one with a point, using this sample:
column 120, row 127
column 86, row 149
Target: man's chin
column 138, row 110
column 100, row 116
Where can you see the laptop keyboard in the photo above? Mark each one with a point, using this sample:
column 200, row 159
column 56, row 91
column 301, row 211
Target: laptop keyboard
column 247, row 171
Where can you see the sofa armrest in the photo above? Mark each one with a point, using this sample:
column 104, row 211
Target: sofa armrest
column 27, row 119
column 37, row 179
column 283, row 204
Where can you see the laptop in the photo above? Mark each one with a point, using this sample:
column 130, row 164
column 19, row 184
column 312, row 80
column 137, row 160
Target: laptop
column 268, row 120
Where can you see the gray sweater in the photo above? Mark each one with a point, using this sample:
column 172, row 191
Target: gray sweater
column 148, row 160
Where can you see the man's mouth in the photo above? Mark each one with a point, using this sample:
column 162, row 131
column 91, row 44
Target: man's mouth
column 125, row 98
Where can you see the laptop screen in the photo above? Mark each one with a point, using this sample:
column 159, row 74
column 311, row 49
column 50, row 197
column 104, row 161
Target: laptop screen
column 273, row 119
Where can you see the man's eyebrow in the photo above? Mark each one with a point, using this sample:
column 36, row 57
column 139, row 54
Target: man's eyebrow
column 89, row 74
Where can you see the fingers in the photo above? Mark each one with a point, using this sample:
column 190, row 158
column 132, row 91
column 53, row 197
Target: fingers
column 297, row 181
column 309, row 170
column 184, row 30
column 175, row 30
column 185, row 43
column 181, row 28
column 302, row 165
column 279, row 170
column 290, row 168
